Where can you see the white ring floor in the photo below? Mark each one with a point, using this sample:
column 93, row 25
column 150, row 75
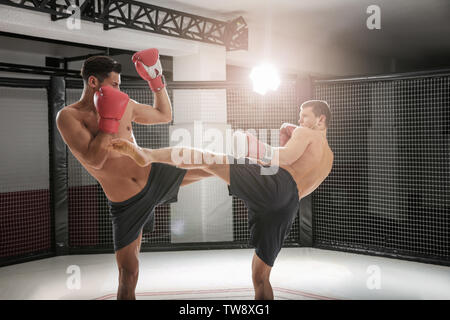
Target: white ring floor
column 298, row 274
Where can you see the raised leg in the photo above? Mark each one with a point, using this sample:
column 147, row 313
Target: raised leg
column 204, row 163
column 195, row 175
column 221, row 171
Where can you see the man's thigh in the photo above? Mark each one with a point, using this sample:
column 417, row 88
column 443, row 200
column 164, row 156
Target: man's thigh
column 221, row 171
column 193, row 175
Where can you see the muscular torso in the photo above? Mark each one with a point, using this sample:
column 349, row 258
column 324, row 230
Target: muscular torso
column 120, row 176
column 312, row 168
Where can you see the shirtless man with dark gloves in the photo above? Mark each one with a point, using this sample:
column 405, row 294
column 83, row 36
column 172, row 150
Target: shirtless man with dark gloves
column 304, row 161
column 87, row 127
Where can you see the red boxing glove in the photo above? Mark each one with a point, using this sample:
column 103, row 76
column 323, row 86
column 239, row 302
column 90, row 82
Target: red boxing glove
column 111, row 104
column 286, row 133
column 252, row 147
column 148, row 66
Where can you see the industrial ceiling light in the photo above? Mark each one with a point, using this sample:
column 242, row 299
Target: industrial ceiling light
column 265, row 77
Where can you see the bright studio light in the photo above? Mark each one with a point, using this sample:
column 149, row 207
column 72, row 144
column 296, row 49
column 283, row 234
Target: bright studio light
column 265, row 77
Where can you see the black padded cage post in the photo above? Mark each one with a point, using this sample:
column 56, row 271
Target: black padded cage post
column 58, row 165
column 389, row 191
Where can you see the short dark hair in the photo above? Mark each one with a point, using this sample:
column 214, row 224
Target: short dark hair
column 319, row 107
column 99, row 67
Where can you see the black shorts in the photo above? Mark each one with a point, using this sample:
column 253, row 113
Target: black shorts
column 130, row 216
column 272, row 201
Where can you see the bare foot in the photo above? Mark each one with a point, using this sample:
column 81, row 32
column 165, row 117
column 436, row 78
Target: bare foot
column 131, row 150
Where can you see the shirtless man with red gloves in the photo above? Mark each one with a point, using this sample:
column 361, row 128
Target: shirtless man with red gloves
column 88, row 126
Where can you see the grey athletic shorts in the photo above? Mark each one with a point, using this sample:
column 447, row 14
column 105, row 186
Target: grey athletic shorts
column 130, row 216
column 272, row 202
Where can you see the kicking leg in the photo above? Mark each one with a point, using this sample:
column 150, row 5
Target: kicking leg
column 197, row 162
column 221, row 171
column 195, row 175
column 187, row 158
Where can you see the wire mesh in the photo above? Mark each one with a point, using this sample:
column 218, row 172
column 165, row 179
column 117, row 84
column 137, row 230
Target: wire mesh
column 25, row 210
column 389, row 190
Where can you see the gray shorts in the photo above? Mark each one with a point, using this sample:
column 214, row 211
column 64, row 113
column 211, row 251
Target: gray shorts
column 272, row 202
column 130, row 216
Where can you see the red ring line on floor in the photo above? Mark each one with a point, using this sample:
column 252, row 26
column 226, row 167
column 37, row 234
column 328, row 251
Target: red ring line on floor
column 174, row 293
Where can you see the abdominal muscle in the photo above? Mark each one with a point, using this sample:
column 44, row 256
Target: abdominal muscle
column 120, row 177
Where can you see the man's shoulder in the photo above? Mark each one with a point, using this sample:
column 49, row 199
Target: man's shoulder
column 303, row 132
column 66, row 115
column 313, row 136
column 71, row 110
column 302, row 129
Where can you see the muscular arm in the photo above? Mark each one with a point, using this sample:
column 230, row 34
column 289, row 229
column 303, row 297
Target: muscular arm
column 286, row 130
column 92, row 150
column 294, row 148
column 160, row 113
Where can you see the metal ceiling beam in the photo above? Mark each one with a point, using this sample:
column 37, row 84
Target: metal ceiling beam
column 48, row 71
column 145, row 17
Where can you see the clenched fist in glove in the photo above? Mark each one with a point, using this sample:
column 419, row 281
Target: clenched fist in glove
column 110, row 104
column 148, row 66
column 246, row 145
column 286, row 133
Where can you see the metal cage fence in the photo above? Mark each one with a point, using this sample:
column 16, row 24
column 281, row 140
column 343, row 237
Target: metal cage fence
column 389, row 190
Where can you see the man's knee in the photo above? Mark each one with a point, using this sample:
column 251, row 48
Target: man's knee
column 128, row 267
column 128, row 274
column 128, row 262
column 260, row 277
column 260, row 270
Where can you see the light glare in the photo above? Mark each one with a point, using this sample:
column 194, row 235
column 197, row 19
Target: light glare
column 265, row 77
